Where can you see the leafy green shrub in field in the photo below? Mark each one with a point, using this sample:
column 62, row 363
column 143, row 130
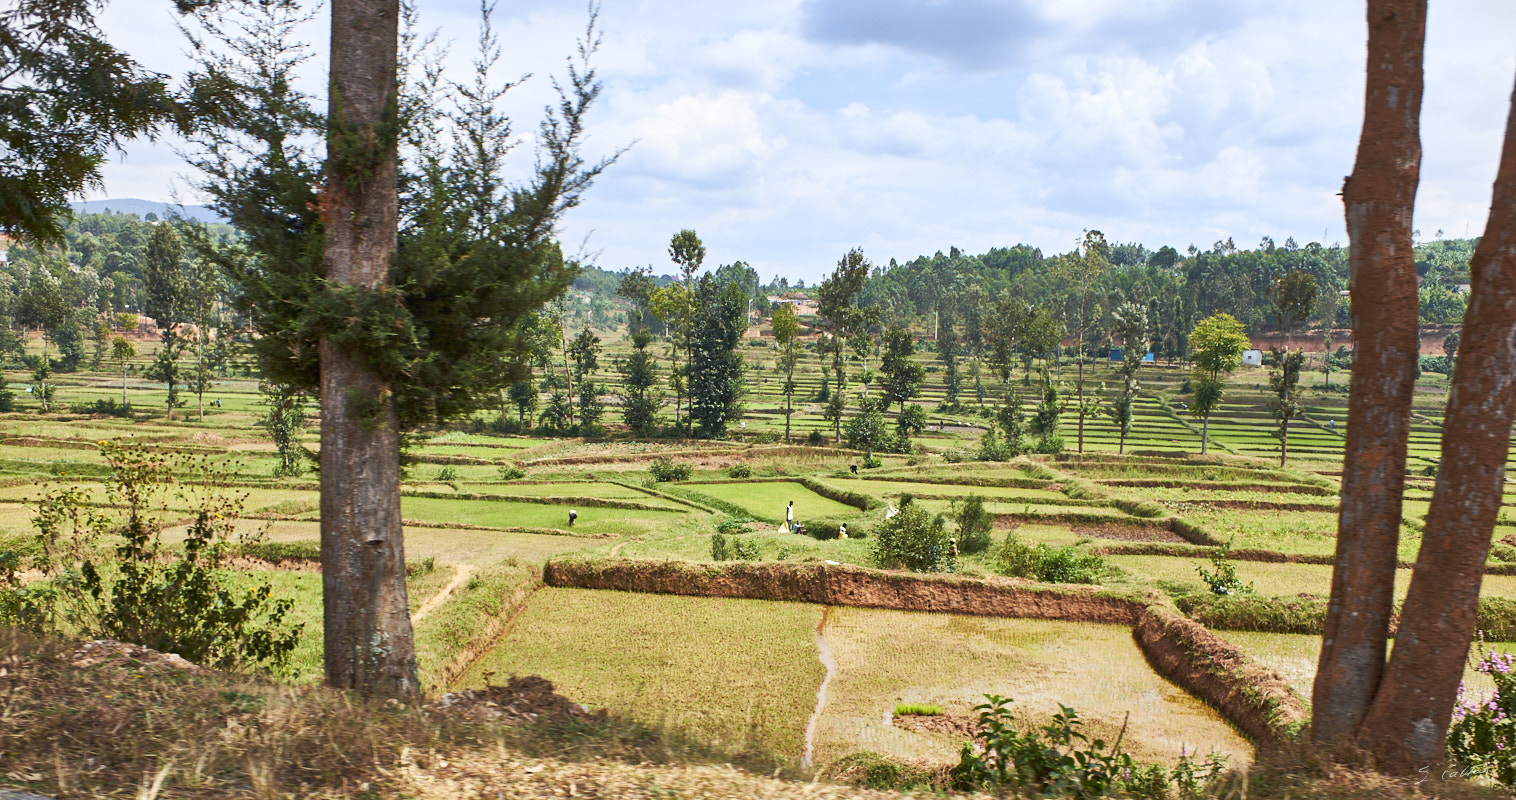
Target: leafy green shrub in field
column 1482, row 738
column 917, row 710
column 824, row 530
column 107, row 406
column 974, row 524
column 1061, row 761
column 914, row 539
column 721, row 547
column 872, row 462
column 1223, row 579
column 512, row 473
column 991, row 448
column 111, row 574
column 1048, row 564
column 739, row 470
column 815, row 439
column 446, row 475
column 732, row 525
column 745, row 549
column 666, row 470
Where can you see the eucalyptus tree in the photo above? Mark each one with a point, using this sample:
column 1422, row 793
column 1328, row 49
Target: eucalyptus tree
column 786, row 328
column 1082, row 270
column 837, row 303
column 1216, row 347
column 902, row 375
column 716, row 386
column 1131, row 324
column 164, row 271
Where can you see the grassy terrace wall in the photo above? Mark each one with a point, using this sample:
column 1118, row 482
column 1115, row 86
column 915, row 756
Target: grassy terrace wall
column 1251, row 697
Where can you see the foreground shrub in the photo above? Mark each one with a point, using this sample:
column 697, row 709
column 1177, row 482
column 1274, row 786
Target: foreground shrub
column 974, row 525
column 739, row 470
column 732, row 525
column 1048, row 564
column 874, row 771
column 142, row 590
column 666, row 470
column 512, row 473
column 1222, row 579
column 1482, row 738
column 1060, row 761
column 914, row 539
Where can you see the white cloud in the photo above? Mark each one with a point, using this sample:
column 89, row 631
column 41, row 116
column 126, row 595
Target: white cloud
column 786, row 132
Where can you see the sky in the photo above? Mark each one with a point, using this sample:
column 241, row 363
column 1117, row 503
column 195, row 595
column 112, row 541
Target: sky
column 785, row 132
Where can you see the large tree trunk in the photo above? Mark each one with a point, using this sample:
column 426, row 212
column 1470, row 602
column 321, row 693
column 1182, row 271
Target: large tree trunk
column 1408, row 721
column 1379, row 197
column 368, row 644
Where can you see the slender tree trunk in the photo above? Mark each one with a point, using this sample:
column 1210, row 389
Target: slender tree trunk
column 368, row 645
column 1080, row 356
column 1205, row 432
column 568, row 374
column 1379, row 198
column 1284, row 441
column 123, row 384
column 1408, row 721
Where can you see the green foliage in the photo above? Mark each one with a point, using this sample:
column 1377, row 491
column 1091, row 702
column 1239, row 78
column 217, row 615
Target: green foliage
column 716, row 367
column 512, row 473
column 179, row 601
column 665, row 470
column 902, row 377
column 473, row 247
column 1048, row 564
column 914, row 539
column 721, row 547
column 284, row 421
column 740, row 470
column 1059, row 760
column 1482, row 737
column 871, row 462
column 917, row 710
column 974, row 524
column 745, row 549
column 71, row 98
column 866, row 431
column 446, row 475
column 1222, row 578
column 734, row 525
column 1044, row 424
column 640, row 399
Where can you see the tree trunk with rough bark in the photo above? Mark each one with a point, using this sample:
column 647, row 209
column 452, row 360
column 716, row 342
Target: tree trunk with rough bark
column 1408, row 721
column 1379, row 198
column 368, row 645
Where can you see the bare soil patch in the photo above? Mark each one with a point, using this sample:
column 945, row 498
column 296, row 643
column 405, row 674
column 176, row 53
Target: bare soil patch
column 948, row 723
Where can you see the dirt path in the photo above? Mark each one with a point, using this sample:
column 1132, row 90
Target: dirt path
column 824, row 652
column 442, row 595
column 617, row 549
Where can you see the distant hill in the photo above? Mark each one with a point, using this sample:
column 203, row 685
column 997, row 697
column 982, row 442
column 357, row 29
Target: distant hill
column 131, row 205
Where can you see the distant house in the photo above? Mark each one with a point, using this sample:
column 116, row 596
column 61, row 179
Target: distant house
column 1252, row 358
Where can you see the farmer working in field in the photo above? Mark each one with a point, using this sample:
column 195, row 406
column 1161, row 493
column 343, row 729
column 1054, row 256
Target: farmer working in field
column 789, row 516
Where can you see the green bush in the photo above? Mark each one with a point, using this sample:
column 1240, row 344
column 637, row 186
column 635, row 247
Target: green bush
column 974, row 525
column 917, row 710
column 1047, row 564
column 721, row 547
column 872, row 462
column 1482, row 738
column 732, row 525
column 1223, row 579
column 141, row 589
column 739, row 470
column 745, row 549
column 914, row 539
column 873, row 771
column 446, row 475
column 1059, row 760
column 512, row 473
column 665, row 470
column 107, row 406
column 815, row 439
column 824, row 530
